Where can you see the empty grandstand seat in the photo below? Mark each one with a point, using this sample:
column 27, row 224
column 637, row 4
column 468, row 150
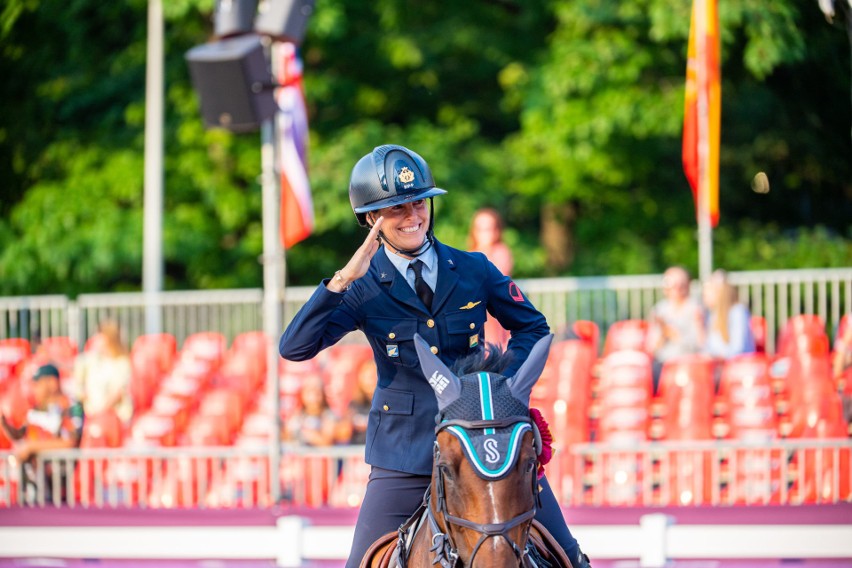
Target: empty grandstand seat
column 566, row 405
column 158, row 349
column 13, row 352
column 624, row 396
column 252, row 343
column 626, row 335
column 746, row 398
column 152, row 430
column 207, row 430
column 803, row 334
column 226, row 405
column 685, row 395
column 205, row 345
column 589, row 332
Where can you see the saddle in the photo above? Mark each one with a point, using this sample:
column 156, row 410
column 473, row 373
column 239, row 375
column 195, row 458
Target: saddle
column 544, row 551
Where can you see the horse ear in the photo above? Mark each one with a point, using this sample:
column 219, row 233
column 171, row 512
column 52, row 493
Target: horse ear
column 446, row 385
column 522, row 383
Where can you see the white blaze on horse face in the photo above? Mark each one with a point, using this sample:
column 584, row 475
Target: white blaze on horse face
column 438, row 382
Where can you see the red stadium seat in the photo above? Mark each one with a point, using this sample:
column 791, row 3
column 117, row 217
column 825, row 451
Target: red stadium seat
column 589, row 332
column 566, row 406
column 225, row 405
column 803, row 335
column 151, row 430
column 746, row 398
column 626, row 335
column 624, row 396
column 13, row 353
column 206, row 430
column 686, row 393
column 205, row 345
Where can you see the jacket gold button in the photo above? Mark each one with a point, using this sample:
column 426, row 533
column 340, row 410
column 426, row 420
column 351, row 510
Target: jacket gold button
column 434, row 350
column 391, row 335
column 430, row 323
column 386, row 407
column 472, row 325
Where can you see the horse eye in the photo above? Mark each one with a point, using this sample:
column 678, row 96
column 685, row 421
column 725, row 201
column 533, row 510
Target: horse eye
column 446, row 471
column 530, row 466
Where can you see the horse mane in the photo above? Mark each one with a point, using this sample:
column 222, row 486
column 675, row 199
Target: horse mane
column 492, row 359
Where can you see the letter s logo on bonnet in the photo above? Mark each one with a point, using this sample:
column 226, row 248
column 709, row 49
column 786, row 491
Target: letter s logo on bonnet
column 491, row 453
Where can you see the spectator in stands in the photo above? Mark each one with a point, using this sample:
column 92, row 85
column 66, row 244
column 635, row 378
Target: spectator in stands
column 102, row 375
column 842, row 369
column 358, row 412
column 486, row 236
column 399, row 282
column 728, row 321
column 676, row 323
column 53, row 422
column 314, row 423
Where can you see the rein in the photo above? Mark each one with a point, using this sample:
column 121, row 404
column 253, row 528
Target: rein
column 446, row 552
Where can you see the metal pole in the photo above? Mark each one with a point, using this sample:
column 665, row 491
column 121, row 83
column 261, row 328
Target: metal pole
column 152, row 253
column 705, row 228
column 273, row 293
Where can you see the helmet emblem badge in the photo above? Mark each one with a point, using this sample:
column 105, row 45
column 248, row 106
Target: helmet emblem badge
column 405, row 175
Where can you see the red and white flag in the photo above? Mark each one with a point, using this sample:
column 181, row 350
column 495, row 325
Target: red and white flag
column 297, row 208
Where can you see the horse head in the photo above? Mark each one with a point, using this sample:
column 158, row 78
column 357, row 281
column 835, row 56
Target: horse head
column 484, row 482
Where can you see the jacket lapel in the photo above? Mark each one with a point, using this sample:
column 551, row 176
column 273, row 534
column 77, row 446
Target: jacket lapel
column 397, row 286
column 447, row 276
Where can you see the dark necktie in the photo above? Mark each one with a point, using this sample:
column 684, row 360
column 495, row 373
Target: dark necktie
column 424, row 292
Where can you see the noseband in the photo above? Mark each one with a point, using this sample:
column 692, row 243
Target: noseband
column 442, row 543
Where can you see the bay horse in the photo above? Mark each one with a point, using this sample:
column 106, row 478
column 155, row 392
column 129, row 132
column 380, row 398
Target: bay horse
column 483, row 494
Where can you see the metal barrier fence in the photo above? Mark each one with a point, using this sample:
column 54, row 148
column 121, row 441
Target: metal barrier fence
column 775, row 295
column 784, row 472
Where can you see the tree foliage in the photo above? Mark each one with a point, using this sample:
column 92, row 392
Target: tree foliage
column 566, row 115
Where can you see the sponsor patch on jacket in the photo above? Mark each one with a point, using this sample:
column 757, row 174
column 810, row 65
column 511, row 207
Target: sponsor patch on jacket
column 473, row 341
column 393, row 350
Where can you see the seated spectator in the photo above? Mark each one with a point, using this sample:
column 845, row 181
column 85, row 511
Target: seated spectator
column 102, row 375
column 358, row 412
column 53, row 422
column 729, row 330
column 314, row 423
column 676, row 323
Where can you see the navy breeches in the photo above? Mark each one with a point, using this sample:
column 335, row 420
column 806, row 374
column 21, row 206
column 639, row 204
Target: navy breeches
column 392, row 497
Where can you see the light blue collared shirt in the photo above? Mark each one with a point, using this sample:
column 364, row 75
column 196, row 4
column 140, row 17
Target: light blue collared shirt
column 430, row 270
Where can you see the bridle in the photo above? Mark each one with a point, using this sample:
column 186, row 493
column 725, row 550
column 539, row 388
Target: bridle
column 442, row 542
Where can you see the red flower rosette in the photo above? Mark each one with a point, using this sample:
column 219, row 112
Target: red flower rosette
column 546, row 440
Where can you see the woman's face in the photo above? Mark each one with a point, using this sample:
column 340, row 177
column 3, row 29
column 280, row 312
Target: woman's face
column 486, row 231
column 405, row 225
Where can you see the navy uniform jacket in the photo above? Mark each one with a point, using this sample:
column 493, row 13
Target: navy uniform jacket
column 401, row 426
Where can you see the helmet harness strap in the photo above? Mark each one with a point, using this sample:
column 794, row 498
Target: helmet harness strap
column 430, row 237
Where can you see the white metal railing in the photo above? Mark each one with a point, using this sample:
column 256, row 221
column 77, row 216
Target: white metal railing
column 775, row 295
column 785, row 472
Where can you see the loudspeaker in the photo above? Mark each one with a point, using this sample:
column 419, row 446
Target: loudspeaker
column 234, row 17
column 284, row 19
column 233, row 82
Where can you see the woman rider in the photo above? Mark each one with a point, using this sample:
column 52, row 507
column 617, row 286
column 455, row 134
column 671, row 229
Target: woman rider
column 399, row 282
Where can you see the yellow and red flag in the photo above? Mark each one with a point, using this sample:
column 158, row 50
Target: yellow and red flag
column 703, row 108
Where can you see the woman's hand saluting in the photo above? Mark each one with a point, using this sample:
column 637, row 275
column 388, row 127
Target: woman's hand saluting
column 360, row 261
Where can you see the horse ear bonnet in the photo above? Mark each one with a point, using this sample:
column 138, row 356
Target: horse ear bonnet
column 492, row 451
